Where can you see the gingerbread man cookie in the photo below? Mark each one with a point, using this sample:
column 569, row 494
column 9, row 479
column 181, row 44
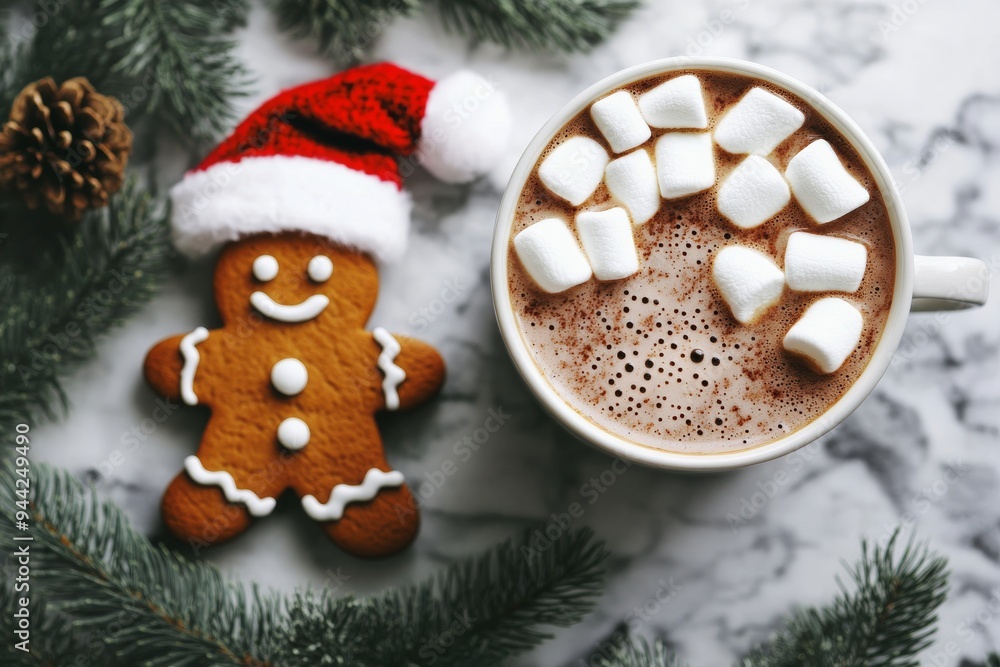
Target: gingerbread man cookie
column 293, row 381
column 307, row 193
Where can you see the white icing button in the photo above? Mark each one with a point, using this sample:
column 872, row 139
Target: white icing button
column 293, row 433
column 265, row 268
column 289, row 376
column 320, row 268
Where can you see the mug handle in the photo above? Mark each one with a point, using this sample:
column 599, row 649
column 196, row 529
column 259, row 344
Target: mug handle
column 949, row 283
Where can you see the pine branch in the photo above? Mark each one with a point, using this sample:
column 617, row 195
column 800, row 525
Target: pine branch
column 232, row 13
column 178, row 52
column 342, row 29
column 475, row 613
column 51, row 316
column 140, row 605
column 885, row 622
column 71, row 41
column 52, row 638
column 634, row 653
column 546, row 25
column 170, row 58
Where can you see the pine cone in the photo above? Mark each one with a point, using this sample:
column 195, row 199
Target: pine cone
column 64, row 146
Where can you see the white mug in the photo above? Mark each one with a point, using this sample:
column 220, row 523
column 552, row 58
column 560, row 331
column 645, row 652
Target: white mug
column 922, row 283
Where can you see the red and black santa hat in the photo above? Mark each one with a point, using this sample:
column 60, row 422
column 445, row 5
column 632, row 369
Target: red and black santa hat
column 327, row 158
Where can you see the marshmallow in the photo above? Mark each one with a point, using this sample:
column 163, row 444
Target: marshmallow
column 607, row 240
column 573, row 169
column 685, row 163
column 753, row 193
column 822, row 185
column 749, row 281
column 826, row 334
column 757, row 123
column 632, row 181
column 549, row 253
column 619, row 120
column 678, row 103
column 816, row 263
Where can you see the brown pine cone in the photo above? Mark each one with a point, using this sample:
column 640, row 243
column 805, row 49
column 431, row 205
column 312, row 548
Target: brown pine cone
column 64, row 146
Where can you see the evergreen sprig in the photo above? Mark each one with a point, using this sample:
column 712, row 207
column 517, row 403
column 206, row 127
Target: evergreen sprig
column 885, row 622
column 61, row 40
column 180, row 55
column 636, row 652
column 172, row 59
column 113, row 596
column 54, row 628
column 545, row 25
column 132, row 603
column 343, row 29
column 477, row 612
column 54, row 311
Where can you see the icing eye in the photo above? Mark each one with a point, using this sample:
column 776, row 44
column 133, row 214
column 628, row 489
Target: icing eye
column 265, row 268
column 320, row 268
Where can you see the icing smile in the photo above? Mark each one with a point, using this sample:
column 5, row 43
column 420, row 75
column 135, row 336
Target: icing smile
column 299, row 312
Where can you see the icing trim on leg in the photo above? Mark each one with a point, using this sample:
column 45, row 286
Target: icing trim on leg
column 191, row 358
column 393, row 374
column 256, row 505
column 344, row 494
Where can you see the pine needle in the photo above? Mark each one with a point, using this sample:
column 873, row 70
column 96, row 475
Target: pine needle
column 344, row 29
column 887, row 619
column 478, row 612
column 178, row 53
column 131, row 603
column 635, row 653
column 544, row 25
column 341, row 29
column 51, row 317
column 172, row 59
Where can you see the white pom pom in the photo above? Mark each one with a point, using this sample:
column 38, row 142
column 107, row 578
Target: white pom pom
column 465, row 129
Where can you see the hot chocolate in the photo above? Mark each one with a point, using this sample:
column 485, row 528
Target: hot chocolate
column 646, row 327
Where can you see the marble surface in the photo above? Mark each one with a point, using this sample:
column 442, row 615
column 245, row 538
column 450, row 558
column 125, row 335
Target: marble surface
column 920, row 77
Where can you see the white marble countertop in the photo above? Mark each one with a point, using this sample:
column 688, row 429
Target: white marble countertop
column 921, row 78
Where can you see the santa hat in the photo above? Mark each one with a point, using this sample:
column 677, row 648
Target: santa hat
column 327, row 158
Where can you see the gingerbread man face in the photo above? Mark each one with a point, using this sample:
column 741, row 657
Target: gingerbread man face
column 293, row 279
column 293, row 382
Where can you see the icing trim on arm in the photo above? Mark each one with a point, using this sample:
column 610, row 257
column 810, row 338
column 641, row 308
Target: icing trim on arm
column 191, row 359
column 343, row 494
column 393, row 375
column 299, row 312
column 256, row 505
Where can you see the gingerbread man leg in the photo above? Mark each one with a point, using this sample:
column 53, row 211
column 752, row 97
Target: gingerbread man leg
column 223, row 487
column 350, row 489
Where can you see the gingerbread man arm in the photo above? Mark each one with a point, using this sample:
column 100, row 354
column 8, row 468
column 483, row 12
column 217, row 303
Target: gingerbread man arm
column 424, row 370
column 163, row 367
column 412, row 371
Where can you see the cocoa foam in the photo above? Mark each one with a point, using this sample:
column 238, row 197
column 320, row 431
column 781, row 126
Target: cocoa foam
column 657, row 358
